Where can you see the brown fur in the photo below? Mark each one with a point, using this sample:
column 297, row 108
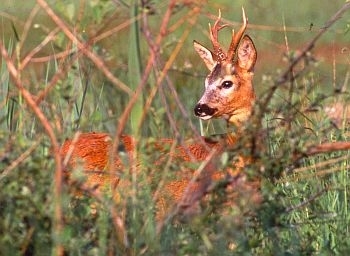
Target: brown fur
column 235, row 104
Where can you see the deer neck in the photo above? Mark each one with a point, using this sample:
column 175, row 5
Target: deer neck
column 237, row 121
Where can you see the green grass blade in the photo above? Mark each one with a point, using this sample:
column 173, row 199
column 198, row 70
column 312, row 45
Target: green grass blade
column 134, row 66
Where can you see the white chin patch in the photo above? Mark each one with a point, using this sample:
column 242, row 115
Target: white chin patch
column 205, row 117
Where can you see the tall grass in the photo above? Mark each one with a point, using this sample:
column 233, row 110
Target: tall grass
column 129, row 67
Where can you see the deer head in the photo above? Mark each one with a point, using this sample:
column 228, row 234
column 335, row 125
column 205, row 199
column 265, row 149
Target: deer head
column 229, row 92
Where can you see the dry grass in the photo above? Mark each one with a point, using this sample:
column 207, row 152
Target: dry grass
column 81, row 84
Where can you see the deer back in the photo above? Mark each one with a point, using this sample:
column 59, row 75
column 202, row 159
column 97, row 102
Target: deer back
column 228, row 93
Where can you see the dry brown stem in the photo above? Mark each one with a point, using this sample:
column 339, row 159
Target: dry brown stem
column 28, row 97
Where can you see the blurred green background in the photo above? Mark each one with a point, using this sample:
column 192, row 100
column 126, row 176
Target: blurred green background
column 306, row 212
column 279, row 29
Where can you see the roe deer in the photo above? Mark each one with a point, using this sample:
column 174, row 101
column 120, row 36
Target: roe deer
column 228, row 94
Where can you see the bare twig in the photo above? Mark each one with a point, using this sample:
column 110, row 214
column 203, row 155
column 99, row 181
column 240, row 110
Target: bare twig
column 58, row 221
column 27, row 25
column 85, row 48
column 286, row 75
column 151, row 61
column 327, row 147
column 319, row 173
column 61, row 71
column 116, row 219
column 311, row 44
column 20, row 159
column 165, row 70
column 29, row 57
column 304, row 203
column 189, row 198
column 114, row 30
column 329, row 162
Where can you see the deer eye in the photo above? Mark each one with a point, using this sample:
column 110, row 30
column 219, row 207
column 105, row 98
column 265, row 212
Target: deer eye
column 226, row 84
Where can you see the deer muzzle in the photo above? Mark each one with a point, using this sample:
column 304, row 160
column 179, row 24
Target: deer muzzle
column 203, row 111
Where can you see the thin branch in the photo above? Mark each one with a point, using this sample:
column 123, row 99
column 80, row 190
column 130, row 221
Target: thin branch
column 311, row 44
column 327, row 147
column 167, row 66
column 116, row 219
column 85, row 48
column 58, row 220
column 27, row 25
column 29, row 57
column 189, row 197
column 20, row 159
column 322, row 164
column 303, row 54
column 151, row 60
column 304, row 203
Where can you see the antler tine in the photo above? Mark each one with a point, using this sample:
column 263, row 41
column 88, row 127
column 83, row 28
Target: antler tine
column 237, row 38
column 219, row 54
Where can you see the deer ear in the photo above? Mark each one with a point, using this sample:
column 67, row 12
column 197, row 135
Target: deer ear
column 247, row 54
column 205, row 54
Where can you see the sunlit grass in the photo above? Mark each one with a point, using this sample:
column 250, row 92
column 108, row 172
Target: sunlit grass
column 305, row 207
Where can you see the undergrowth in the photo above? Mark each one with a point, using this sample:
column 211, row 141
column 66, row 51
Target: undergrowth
column 85, row 81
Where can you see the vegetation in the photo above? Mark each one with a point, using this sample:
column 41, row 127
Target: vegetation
column 129, row 67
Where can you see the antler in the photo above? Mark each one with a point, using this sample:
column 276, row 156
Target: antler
column 218, row 52
column 237, row 38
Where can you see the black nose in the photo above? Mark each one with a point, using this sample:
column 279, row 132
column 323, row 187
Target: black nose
column 203, row 109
